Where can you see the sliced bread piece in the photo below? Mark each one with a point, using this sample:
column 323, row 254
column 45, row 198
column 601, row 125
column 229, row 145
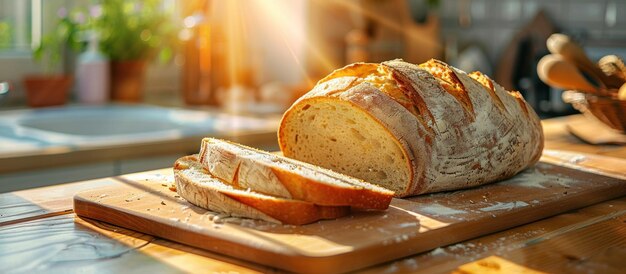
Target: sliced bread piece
column 200, row 188
column 248, row 168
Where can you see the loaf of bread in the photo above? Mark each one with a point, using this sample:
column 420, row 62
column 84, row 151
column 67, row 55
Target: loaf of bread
column 413, row 128
column 248, row 168
column 200, row 188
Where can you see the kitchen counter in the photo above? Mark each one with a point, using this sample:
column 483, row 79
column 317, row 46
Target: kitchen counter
column 77, row 142
column 39, row 138
column 40, row 232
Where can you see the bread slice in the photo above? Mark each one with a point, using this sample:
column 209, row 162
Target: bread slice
column 413, row 129
column 200, row 188
column 249, row 168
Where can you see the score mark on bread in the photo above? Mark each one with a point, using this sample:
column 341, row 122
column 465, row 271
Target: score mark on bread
column 450, row 82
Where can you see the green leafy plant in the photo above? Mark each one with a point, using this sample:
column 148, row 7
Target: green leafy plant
column 127, row 30
column 53, row 46
column 6, row 34
column 135, row 30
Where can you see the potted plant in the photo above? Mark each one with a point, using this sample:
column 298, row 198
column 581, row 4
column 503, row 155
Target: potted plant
column 51, row 88
column 130, row 33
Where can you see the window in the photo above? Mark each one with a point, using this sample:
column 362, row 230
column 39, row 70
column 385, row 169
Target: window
column 20, row 26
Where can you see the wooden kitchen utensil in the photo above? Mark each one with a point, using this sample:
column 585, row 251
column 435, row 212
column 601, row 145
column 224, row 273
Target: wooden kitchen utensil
column 144, row 203
column 594, row 131
column 613, row 65
column 605, row 107
column 563, row 45
column 557, row 72
column 621, row 94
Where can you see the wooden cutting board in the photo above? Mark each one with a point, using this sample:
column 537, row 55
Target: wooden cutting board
column 143, row 202
column 594, row 132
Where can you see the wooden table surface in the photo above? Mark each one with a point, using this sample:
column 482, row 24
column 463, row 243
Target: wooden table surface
column 40, row 233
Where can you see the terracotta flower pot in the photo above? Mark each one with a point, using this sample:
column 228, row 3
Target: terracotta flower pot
column 47, row 90
column 127, row 78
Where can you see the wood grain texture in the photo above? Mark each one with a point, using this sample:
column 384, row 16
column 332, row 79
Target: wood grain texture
column 523, row 239
column 593, row 245
column 365, row 238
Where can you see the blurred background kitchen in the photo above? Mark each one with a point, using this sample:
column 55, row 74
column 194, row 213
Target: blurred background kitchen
column 101, row 88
